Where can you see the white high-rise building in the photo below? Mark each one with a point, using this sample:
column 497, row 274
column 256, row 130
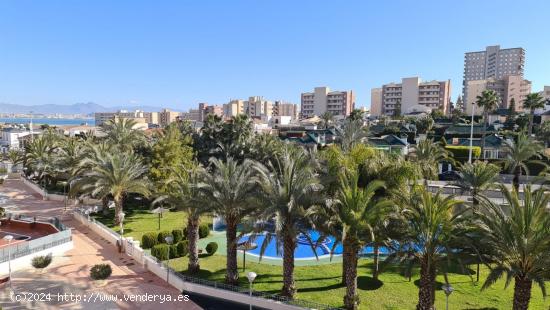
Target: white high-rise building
column 321, row 100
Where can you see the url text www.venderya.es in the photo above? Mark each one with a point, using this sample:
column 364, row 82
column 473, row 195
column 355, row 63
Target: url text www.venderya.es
column 94, row 297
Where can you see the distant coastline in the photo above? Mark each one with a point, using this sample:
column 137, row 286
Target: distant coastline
column 48, row 121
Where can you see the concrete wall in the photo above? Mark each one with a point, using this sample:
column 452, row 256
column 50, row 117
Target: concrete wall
column 25, row 261
column 55, row 197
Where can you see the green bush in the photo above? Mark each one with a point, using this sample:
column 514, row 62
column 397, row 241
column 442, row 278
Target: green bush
column 183, row 247
column 149, row 240
column 161, row 238
column 174, row 251
column 100, row 271
column 204, row 231
column 211, row 248
column 41, row 261
column 161, row 251
column 178, row 235
column 461, row 152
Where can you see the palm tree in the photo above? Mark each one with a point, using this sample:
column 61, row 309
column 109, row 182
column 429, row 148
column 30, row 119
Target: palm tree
column 532, row 102
column 184, row 194
column 113, row 175
column 121, row 133
column 357, row 211
column 428, row 155
column 39, row 158
column 228, row 190
column 519, row 154
column 352, row 133
column 289, row 189
column 327, row 118
column 488, row 101
column 476, row 178
column 15, row 157
column 517, row 238
column 434, row 226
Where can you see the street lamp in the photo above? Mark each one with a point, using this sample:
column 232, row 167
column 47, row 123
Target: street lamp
column 448, row 289
column 121, row 220
column 251, row 275
column 471, row 133
column 9, row 238
column 169, row 239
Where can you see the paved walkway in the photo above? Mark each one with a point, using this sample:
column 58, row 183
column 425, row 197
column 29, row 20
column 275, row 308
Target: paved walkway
column 70, row 273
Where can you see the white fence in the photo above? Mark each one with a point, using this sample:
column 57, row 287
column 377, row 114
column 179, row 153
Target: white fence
column 191, row 284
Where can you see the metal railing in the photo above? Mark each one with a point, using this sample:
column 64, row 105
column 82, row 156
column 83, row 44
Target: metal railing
column 40, row 219
column 21, row 249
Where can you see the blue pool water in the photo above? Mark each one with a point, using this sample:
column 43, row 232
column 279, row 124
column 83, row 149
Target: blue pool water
column 304, row 249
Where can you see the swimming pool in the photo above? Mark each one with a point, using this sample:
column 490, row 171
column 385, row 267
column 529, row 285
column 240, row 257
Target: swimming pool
column 303, row 249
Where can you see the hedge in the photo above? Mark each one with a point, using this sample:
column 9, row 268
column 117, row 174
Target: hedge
column 461, row 152
column 178, row 235
column 161, row 237
column 211, row 248
column 183, row 247
column 161, row 251
column 149, row 240
column 204, row 231
column 100, row 271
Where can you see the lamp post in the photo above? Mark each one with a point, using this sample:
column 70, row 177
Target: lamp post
column 121, row 220
column 448, row 289
column 471, row 133
column 9, row 238
column 169, row 239
column 251, row 276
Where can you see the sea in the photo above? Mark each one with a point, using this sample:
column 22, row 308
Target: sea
column 49, row 121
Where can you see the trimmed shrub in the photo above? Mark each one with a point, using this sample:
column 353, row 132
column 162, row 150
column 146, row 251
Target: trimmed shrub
column 211, row 248
column 462, row 152
column 161, row 238
column 178, row 235
column 101, row 271
column 204, row 231
column 174, row 251
column 183, row 247
column 40, row 262
column 149, row 240
column 161, row 251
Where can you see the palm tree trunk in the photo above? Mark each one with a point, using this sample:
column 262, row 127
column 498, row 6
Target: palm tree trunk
column 531, row 116
column 376, row 251
column 351, row 299
column 192, row 237
column 426, row 292
column 515, row 181
column 344, row 268
column 232, row 274
column 522, row 293
column 289, row 246
column 483, row 134
column 118, row 208
column 105, row 205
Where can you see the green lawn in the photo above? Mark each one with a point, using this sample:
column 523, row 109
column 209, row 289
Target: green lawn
column 321, row 283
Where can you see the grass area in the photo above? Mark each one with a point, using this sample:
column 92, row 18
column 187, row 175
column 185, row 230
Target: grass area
column 321, row 283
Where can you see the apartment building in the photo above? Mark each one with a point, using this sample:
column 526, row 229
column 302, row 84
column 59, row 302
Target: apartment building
column 281, row 108
column 166, row 117
column 322, row 99
column 206, row 109
column 376, row 102
column 492, row 63
column 511, row 86
column 546, row 92
column 259, row 108
column 233, row 108
column 149, row 117
column 411, row 95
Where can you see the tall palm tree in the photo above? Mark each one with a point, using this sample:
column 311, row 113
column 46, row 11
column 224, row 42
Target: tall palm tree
column 519, row 153
column 358, row 212
column 488, row 101
column 15, row 157
column 477, row 177
column 40, row 158
column 184, row 194
column 428, row 155
column 229, row 191
column 121, row 133
column 113, row 175
column 289, row 189
column 532, row 102
column 517, row 238
column 351, row 133
column 434, row 225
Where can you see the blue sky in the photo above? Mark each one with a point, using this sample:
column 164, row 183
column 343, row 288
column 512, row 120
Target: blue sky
column 179, row 53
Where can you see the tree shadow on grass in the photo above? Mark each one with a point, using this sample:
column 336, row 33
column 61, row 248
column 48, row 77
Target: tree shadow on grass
column 367, row 283
column 438, row 285
column 485, row 308
column 321, row 288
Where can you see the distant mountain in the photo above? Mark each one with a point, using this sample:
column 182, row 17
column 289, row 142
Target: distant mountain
column 77, row 108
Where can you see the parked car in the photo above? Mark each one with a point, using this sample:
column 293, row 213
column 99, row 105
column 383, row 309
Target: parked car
column 450, row 175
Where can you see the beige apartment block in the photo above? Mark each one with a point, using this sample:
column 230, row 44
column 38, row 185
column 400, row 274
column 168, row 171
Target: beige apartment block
column 511, row 86
column 492, row 63
column 259, row 108
column 102, row 117
column 322, row 99
column 281, row 108
column 546, row 92
column 413, row 95
column 206, row 109
column 376, row 102
column 166, row 117
column 233, row 108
